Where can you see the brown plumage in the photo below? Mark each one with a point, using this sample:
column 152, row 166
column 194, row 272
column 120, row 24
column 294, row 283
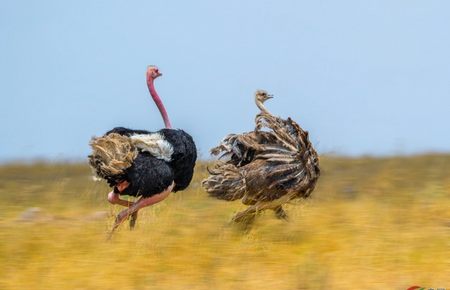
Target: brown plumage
column 264, row 168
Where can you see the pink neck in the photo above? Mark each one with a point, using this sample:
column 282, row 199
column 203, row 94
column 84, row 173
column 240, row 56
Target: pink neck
column 158, row 103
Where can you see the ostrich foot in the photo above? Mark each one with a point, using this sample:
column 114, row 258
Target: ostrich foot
column 133, row 219
column 244, row 217
column 280, row 213
column 121, row 217
column 243, row 221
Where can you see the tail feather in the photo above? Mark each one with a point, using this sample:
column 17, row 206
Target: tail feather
column 111, row 155
column 293, row 138
column 225, row 182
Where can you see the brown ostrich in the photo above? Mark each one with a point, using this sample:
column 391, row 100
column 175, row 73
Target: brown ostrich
column 265, row 168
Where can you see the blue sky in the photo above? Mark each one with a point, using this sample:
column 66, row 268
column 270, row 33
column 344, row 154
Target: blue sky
column 364, row 77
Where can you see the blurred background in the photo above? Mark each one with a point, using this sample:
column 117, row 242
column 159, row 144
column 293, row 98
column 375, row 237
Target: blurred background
column 369, row 81
column 364, row 78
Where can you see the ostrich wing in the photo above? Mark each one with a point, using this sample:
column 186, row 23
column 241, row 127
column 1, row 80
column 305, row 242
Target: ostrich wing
column 111, row 155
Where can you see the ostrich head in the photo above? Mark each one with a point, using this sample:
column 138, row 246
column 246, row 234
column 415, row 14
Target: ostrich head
column 153, row 72
column 262, row 96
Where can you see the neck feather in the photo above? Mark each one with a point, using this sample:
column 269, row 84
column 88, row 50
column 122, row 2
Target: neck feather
column 158, row 102
column 261, row 106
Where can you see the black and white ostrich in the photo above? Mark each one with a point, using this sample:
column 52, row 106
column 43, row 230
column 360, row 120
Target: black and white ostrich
column 144, row 164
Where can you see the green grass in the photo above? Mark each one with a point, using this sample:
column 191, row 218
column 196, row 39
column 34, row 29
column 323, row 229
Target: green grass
column 370, row 224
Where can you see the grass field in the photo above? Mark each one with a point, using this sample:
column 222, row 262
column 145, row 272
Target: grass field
column 370, row 224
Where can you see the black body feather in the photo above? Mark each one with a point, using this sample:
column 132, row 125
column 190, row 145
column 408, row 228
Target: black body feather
column 149, row 175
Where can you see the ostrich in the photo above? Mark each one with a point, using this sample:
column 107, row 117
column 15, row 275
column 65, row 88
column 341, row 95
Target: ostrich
column 143, row 164
column 265, row 168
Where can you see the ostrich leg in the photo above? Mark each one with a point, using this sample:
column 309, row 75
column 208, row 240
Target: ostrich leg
column 247, row 216
column 141, row 203
column 254, row 209
column 280, row 213
column 133, row 219
column 115, row 199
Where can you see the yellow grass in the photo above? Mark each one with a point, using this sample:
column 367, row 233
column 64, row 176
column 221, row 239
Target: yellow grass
column 370, row 224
